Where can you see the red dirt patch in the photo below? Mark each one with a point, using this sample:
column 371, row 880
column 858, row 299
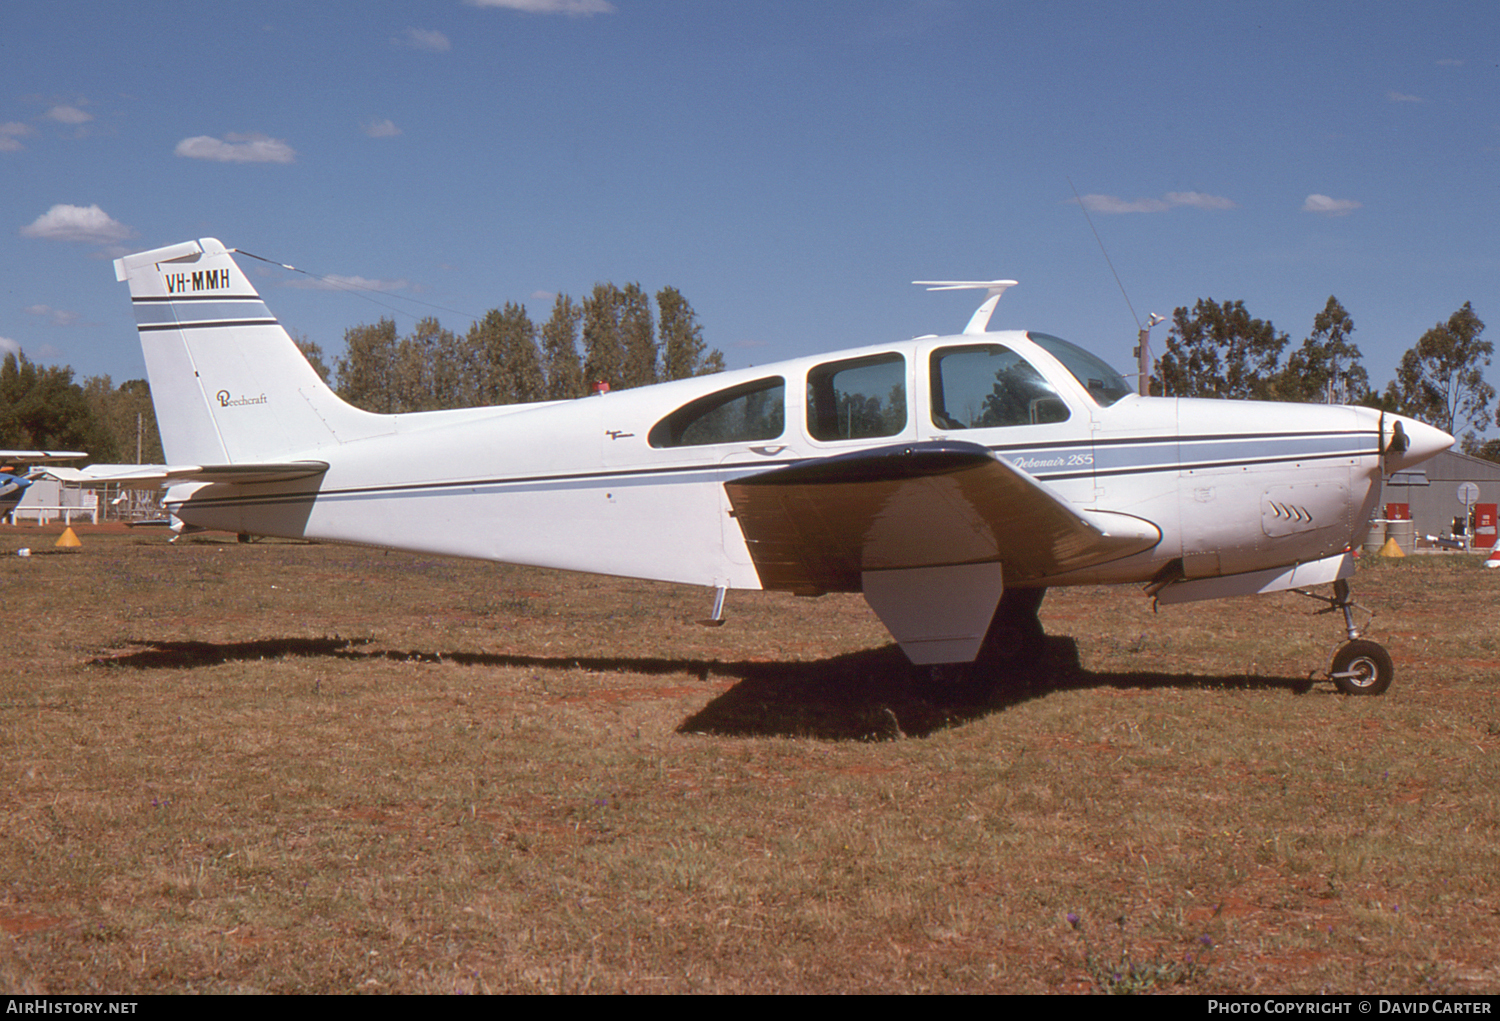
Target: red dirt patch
column 18, row 923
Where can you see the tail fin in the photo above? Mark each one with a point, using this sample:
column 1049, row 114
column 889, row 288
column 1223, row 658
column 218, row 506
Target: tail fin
column 228, row 384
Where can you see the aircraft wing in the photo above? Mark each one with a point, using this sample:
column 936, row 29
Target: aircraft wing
column 154, row 476
column 820, row 525
column 38, row 456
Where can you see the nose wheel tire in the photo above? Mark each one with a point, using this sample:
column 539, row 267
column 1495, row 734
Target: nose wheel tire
column 1362, row 668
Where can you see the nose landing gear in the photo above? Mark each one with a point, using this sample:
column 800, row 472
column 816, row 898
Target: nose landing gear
column 1360, row 667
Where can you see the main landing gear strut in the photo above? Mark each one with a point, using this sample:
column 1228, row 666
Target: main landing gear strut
column 1015, row 640
column 1360, row 667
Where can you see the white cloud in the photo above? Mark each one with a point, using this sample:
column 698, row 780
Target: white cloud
column 1113, row 204
column 10, row 132
column 380, row 129
column 426, row 40
column 8, row 346
column 1194, row 199
column 339, row 282
column 572, row 8
column 236, row 148
column 1198, row 200
column 1450, row 62
column 77, row 223
column 55, row 316
column 64, row 114
column 1326, row 206
column 1401, row 97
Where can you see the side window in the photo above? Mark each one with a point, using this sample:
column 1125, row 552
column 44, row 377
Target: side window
column 741, row 414
column 857, row 398
column 984, row 386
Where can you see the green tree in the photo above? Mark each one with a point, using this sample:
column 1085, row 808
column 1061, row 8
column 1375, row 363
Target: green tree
column 505, row 357
column 1441, row 379
column 367, row 370
column 603, row 339
column 1219, row 351
column 1327, row 366
column 638, row 336
column 682, row 348
column 564, row 371
column 42, row 408
column 428, row 373
column 314, row 355
column 129, row 416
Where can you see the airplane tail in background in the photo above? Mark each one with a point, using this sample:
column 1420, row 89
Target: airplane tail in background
column 228, row 383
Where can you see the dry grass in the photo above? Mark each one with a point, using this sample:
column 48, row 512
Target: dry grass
column 291, row 768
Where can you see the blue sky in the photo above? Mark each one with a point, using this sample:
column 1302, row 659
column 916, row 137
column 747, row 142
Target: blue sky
column 789, row 165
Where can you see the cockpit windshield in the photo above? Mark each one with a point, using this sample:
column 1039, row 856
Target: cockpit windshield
column 1104, row 384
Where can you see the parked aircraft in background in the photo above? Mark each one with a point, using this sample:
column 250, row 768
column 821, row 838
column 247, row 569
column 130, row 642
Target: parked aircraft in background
column 14, row 482
column 950, row 479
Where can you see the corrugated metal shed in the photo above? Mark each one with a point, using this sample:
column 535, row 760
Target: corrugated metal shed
column 1432, row 491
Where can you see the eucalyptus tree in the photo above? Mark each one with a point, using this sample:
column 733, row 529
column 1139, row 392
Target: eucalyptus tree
column 1441, row 379
column 127, row 414
column 42, row 408
column 1327, row 367
column 1219, row 350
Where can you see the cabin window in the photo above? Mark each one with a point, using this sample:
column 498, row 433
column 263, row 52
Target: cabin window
column 857, row 398
column 985, row 386
column 1104, row 384
column 740, row 414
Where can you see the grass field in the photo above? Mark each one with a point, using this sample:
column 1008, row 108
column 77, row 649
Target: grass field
column 278, row 767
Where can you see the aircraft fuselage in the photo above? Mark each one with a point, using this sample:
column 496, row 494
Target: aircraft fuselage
column 1232, row 486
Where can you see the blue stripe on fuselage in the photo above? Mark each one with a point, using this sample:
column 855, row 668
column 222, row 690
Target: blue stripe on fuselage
column 1135, row 456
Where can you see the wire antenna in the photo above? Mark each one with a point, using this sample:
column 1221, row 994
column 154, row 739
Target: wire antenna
column 1111, row 265
column 359, row 292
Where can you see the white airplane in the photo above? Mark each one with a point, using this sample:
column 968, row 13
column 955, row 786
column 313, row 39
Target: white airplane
column 951, row 479
column 14, row 483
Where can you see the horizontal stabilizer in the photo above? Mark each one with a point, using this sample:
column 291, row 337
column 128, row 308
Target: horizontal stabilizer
column 154, row 476
column 992, row 288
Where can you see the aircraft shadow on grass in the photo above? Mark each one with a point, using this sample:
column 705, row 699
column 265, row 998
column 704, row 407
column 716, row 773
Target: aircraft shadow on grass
column 873, row 694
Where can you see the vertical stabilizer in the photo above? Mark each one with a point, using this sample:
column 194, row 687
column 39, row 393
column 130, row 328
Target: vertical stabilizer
column 228, row 383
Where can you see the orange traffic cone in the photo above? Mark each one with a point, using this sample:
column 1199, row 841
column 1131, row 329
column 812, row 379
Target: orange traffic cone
column 68, row 538
column 1493, row 560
